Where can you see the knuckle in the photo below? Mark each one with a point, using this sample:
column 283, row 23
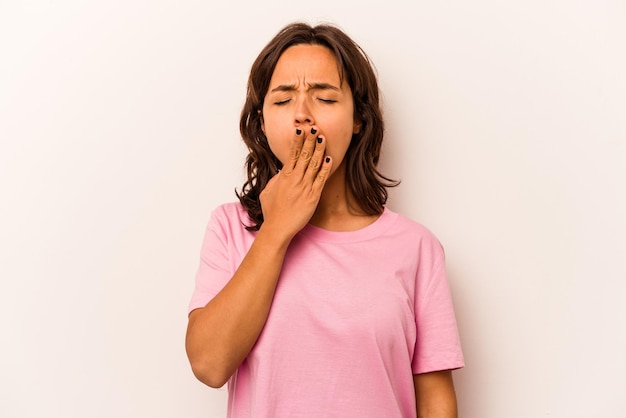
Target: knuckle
column 305, row 155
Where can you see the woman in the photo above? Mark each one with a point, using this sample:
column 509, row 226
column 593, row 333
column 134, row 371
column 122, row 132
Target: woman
column 312, row 298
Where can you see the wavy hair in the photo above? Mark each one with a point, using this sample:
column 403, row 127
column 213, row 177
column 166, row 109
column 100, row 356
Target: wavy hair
column 365, row 182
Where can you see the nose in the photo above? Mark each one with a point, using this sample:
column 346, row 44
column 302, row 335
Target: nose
column 303, row 115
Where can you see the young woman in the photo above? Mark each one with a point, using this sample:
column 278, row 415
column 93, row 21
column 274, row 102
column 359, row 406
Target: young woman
column 312, row 298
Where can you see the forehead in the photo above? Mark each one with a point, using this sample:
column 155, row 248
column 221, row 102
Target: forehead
column 306, row 62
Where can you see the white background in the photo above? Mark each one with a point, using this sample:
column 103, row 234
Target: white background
column 119, row 135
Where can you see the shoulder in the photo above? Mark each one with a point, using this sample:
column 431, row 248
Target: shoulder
column 403, row 223
column 414, row 234
column 229, row 217
column 229, row 210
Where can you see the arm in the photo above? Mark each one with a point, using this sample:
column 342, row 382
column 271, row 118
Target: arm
column 434, row 395
column 221, row 334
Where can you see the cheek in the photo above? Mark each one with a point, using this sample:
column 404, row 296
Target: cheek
column 279, row 142
column 341, row 140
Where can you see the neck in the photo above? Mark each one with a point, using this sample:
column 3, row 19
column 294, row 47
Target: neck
column 337, row 209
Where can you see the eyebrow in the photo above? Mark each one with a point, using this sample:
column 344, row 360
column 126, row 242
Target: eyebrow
column 313, row 86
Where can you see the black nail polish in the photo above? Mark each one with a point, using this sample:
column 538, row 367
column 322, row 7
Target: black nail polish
column 319, row 139
column 298, row 131
column 313, row 131
column 327, row 159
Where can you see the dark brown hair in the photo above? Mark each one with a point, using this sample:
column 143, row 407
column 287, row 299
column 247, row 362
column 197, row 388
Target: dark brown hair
column 364, row 181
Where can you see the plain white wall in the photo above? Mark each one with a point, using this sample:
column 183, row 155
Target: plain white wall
column 118, row 129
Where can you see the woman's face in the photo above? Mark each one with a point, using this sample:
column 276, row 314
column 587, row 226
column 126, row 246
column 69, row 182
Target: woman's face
column 305, row 91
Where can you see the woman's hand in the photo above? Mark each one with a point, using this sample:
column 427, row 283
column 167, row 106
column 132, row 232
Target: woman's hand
column 291, row 196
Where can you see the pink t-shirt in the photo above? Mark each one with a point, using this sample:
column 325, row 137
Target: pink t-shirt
column 354, row 316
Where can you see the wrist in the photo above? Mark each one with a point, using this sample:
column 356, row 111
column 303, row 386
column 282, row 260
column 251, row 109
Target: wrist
column 274, row 236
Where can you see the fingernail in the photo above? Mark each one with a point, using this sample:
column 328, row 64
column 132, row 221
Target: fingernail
column 313, row 131
column 319, row 139
column 327, row 159
column 298, row 131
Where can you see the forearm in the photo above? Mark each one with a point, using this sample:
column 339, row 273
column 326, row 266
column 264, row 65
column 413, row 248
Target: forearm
column 221, row 334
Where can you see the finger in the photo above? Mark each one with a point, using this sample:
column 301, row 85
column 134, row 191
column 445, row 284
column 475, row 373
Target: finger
column 317, row 159
column 307, row 149
column 322, row 175
column 294, row 151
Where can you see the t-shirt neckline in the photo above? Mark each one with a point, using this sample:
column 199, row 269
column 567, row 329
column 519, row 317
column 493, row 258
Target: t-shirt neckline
column 372, row 230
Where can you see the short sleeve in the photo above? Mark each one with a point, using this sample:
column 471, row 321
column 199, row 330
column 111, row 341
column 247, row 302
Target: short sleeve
column 437, row 345
column 214, row 269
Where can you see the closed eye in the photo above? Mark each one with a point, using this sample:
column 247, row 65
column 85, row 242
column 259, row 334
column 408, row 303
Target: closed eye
column 282, row 102
column 327, row 100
